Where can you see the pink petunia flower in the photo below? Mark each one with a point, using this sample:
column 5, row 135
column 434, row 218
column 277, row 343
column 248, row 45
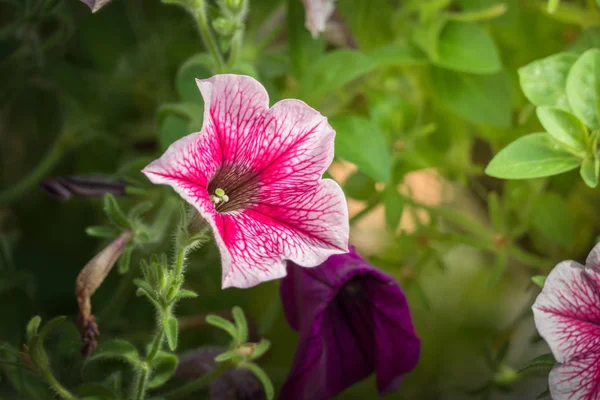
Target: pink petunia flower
column 567, row 316
column 254, row 173
column 317, row 14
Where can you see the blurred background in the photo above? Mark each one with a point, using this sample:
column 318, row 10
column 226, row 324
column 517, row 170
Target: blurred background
column 104, row 93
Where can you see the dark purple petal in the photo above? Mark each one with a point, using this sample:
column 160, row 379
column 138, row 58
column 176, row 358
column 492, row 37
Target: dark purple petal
column 353, row 320
column 82, row 186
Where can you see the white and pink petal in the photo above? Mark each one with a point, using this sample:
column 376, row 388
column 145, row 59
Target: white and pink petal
column 567, row 311
column 578, row 379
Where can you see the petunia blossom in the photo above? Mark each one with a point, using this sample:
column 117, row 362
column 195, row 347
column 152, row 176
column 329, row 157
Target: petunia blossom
column 353, row 320
column 254, row 174
column 317, row 14
column 567, row 316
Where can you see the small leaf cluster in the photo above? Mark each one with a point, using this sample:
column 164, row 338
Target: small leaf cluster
column 241, row 353
column 565, row 89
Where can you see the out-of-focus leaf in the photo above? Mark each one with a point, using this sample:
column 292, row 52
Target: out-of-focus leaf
column 539, row 280
column 303, row 48
column 360, row 141
column 544, row 360
column 369, row 21
column 544, row 81
column 115, row 349
column 163, row 367
column 199, row 66
column 551, row 219
column 94, row 390
column 484, row 99
column 332, row 71
column 532, row 156
column 480, row 56
column 396, row 54
column 394, row 206
column 583, row 88
column 359, row 186
column 171, row 129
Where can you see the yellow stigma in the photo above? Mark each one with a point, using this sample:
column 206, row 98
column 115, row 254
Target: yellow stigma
column 219, row 192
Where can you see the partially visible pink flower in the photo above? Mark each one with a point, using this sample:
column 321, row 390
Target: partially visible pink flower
column 567, row 316
column 317, row 14
column 254, row 173
column 96, row 5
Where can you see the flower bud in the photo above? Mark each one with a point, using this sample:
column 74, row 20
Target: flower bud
column 224, row 27
column 89, row 280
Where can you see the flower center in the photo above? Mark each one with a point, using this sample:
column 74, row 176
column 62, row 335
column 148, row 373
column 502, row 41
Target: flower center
column 233, row 188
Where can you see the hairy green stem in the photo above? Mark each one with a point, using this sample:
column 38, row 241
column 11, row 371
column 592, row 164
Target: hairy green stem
column 199, row 12
column 57, row 387
column 146, row 365
column 236, row 48
column 48, row 162
column 198, row 383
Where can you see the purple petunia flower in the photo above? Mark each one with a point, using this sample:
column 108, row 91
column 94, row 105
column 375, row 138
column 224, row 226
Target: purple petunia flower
column 353, row 320
column 567, row 316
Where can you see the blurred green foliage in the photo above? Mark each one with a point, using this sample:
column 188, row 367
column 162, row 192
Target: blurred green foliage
column 411, row 85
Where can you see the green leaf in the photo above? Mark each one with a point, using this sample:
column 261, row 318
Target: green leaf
column 544, row 81
column 125, row 260
column 191, row 112
column 261, row 348
column 480, row 56
column 544, row 360
column 483, row 99
column 94, row 390
column 360, row 141
column 551, row 219
column 172, row 128
column 543, row 395
column 140, row 209
column 368, row 20
column 564, row 127
column 32, row 327
column 163, row 367
column 241, row 323
column 199, row 66
column 394, row 206
column 106, row 232
column 589, row 171
column 145, row 286
column 226, row 356
column 36, row 343
column 115, row 349
column 532, row 156
column 553, row 5
column 427, row 36
column 185, row 294
column 583, row 88
column 222, row 323
column 114, row 212
column 359, row 186
column 262, row 377
column 303, row 49
column 493, row 11
column 331, row 72
column 396, row 54
column 171, row 332
column 539, row 280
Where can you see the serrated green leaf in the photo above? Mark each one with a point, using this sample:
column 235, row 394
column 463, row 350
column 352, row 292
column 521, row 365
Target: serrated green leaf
column 483, row 99
column 539, row 280
column 589, row 171
column 583, row 88
column 544, row 360
column 114, row 212
column 564, row 127
column 394, row 206
column 544, row 81
column 107, row 232
column 479, row 57
column 262, row 377
column 532, row 156
column 222, row 323
column 360, row 141
column 241, row 324
column 115, row 349
column 32, row 327
column 171, row 332
column 163, row 367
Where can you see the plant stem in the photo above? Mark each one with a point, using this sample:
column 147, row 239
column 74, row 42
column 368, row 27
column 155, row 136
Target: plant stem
column 198, row 383
column 236, row 48
column 179, row 260
column 48, row 162
column 57, row 387
column 146, row 365
column 199, row 12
